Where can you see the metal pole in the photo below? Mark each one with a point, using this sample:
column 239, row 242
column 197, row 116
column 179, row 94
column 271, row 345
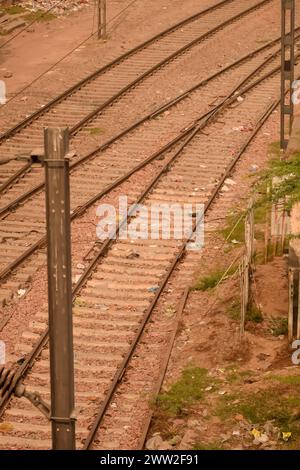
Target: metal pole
column 60, row 288
column 287, row 69
column 104, row 17
column 99, row 15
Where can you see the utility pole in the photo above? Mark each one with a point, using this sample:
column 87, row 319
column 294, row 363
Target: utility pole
column 287, row 69
column 60, row 288
column 101, row 9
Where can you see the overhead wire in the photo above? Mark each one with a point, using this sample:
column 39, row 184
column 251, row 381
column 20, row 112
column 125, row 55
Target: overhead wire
column 66, row 55
column 43, row 13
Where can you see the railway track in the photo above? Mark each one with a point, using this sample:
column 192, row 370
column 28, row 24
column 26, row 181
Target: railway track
column 98, row 314
column 82, row 106
column 20, row 239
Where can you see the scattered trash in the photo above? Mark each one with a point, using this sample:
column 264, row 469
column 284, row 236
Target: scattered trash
column 21, row 360
column 235, row 242
column 76, row 278
column 208, row 389
column 253, row 168
column 80, row 303
column 101, row 306
column 170, row 311
column 239, row 417
column 243, row 128
column 269, row 428
column 222, row 392
column 240, row 99
column 58, row 8
column 80, row 266
column 259, row 438
column 225, row 437
column 286, row 436
column 133, row 254
column 21, row 292
column 255, row 433
column 175, row 440
column 6, row 427
column 71, row 154
column 263, row 438
column 153, row 289
column 230, row 181
column 157, row 443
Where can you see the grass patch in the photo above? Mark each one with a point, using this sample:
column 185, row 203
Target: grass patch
column 234, row 228
column 13, row 10
column 274, row 149
column 208, row 282
column 208, row 446
column 260, row 213
column 286, row 379
column 40, row 15
column 212, row 280
column 234, row 310
column 288, row 183
column 278, row 326
column 237, row 375
column 273, row 404
column 96, row 131
column 184, row 393
column 254, row 314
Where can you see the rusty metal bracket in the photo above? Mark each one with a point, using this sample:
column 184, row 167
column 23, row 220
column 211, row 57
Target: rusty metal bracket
column 4, row 161
column 34, row 398
column 7, row 377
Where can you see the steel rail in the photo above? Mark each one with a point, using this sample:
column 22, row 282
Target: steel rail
column 131, row 85
column 111, row 64
column 194, row 126
column 165, row 362
column 164, row 62
column 191, row 133
column 29, row 360
column 12, row 205
column 122, row 368
column 103, row 69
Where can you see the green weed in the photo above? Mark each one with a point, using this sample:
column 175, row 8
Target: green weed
column 184, row 393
